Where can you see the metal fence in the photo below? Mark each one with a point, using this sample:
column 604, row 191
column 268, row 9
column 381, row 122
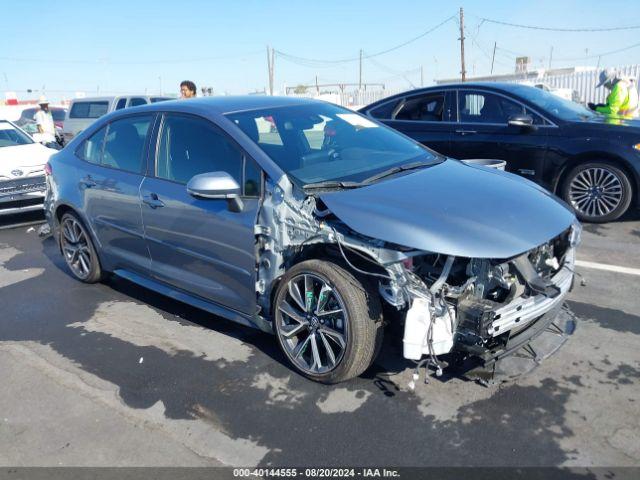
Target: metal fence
column 351, row 99
column 585, row 82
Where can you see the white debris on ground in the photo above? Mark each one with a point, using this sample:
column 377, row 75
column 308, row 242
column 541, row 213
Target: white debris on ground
column 44, row 230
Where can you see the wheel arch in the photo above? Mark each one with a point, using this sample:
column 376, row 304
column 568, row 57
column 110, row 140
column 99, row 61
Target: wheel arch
column 329, row 252
column 63, row 208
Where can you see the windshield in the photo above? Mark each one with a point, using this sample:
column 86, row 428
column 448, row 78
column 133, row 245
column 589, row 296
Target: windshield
column 10, row 136
column 318, row 142
column 29, row 114
column 555, row 105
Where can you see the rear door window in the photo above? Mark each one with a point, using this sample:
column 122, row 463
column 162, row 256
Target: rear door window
column 384, row 111
column 483, row 107
column 122, row 102
column 125, row 141
column 89, row 109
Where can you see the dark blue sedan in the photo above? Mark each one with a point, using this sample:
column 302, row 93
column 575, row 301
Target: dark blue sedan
column 591, row 161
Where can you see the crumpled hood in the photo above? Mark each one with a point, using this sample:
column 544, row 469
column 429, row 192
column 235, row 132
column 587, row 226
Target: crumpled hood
column 454, row 209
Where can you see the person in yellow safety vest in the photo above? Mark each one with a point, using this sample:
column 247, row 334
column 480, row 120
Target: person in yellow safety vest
column 622, row 101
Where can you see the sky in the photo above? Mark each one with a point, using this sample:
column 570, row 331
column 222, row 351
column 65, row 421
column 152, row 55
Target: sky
column 137, row 46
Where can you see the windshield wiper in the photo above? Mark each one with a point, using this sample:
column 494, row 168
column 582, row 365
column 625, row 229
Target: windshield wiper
column 331, row 184
column 394, row 170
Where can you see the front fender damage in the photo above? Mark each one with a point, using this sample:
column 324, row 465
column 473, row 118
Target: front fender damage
column 289, row 221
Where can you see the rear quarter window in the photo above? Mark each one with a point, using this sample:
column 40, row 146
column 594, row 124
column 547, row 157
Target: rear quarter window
column 89, row 109
column 383, row 111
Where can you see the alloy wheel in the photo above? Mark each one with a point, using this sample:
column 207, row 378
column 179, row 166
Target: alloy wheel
column 75, row 248
column 312, row 324
column 595, row 191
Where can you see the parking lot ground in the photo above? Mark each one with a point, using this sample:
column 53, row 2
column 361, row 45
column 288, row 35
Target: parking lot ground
column 112, row 374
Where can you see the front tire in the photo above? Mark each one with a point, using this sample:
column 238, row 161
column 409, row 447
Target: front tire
column 327, row 322
column 598, row 191
column 78, row 249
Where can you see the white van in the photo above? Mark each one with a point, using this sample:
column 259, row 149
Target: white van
column 84, row 111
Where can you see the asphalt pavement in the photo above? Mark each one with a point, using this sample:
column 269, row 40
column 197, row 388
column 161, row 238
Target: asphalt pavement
column 112, row 374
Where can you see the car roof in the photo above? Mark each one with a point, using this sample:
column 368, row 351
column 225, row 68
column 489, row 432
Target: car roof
column 498, row 85
column 232, row 103
column 489, row 85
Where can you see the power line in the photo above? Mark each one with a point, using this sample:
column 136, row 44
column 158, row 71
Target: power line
column 396, row 74
column 582, row 57
column 604, row 54
column 560, row 29
column 316, row 62
column 483, row 50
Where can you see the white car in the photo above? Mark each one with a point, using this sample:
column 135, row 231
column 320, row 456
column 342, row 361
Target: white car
column 22, row 170
column 84, row 111
column 566, row 93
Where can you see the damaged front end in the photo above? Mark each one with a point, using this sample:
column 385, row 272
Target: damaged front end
column 480, row 307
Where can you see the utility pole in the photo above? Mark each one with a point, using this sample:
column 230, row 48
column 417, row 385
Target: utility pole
column 273, row 68
column 270, row 62
column 360, row 75
column 550, row 57
column 317, row 87
column 493, row 58
column 463, row 72
column 421, row 76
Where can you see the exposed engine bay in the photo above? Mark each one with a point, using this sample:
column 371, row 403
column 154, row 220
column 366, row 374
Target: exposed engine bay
column 448, row 303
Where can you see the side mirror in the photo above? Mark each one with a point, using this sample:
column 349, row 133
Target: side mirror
column 522, row 121
column 219, row 185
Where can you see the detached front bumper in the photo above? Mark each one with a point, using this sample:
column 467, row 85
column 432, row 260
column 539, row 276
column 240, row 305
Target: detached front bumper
column 522, row 310
column 523, row 351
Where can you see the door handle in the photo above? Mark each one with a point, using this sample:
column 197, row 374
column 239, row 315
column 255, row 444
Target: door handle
column 466, row 132
column 88, row 182
column 152, row 200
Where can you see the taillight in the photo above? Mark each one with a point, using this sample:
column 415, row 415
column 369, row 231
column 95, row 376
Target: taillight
column 47, row 169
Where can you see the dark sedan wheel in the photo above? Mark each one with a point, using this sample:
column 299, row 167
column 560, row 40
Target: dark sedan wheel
column 328, row 323
column 78, row 250
column 598, row 191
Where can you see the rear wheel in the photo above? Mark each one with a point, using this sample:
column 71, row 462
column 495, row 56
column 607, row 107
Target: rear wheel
column 598, row 191
column 328, row 323
column 78, row 250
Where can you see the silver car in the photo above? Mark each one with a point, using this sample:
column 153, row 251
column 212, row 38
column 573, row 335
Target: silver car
column 314, row 223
